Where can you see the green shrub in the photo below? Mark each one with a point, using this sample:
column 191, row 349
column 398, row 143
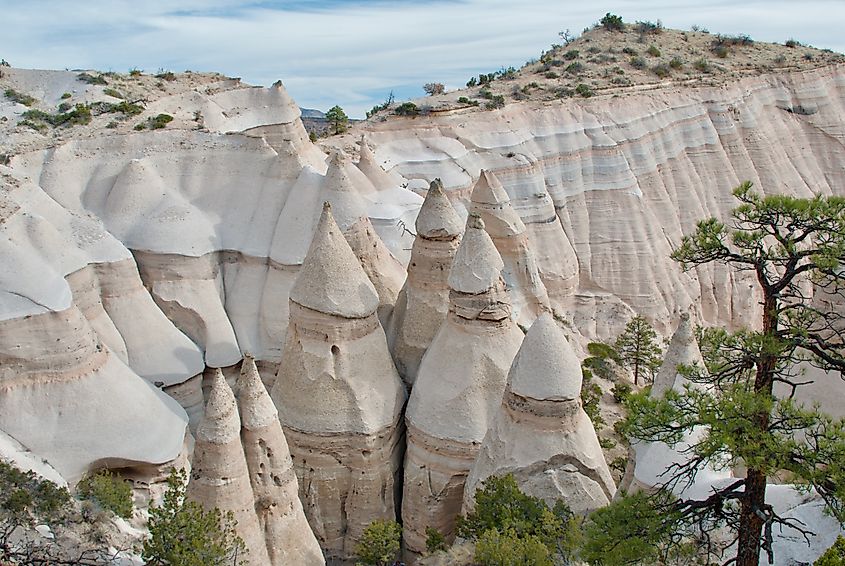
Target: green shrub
column 676, row 63
column 552, row 75
column 629, row 51
column 25, row 498
column 92, row 79
column 407, row 109
column 594, row 49
column 590, row 396
column 584, row 90
column 19, row 97
column 662, row 70
column 380, row 543
column 140, row 126
column 612, row 22
column 183, row 533
column 638, row 63
column 574, row 68
column 653, row 51
column 571, row 54
column 134, row 72
column 80, row 115
column 109, row 490
column 620, row 391
column 38, row 127
column 497, row 549
column 702, row 65
column 833, row 556
column 66, row 95
column 465, row 100
column 160, row 121
column 112, row 92
column 497, row 101
column 647, row 27
column 64, row 107
column 792, row 43
column 434, row 540
column 124, row 107
column 166, row 75
column 720, row 51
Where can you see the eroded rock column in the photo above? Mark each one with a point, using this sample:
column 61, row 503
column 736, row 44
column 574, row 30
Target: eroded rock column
column 458, row 388
column 288, row 537
column 541, row 433
column 339, row 396
column 424, row 300
column 219, row 474
column 520, row 271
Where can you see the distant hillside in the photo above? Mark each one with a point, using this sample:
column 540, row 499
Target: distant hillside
column 640, row 56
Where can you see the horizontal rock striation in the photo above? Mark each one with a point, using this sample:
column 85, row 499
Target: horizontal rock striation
column 630, row 174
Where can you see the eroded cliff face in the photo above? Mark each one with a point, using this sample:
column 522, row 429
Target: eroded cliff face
column 630, row 174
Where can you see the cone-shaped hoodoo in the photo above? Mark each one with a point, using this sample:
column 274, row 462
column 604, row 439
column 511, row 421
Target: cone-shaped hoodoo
column 520, row 272
column 338, row 394
column 219, row 474
column 424, row 300
column 458, row 388
column 541, row 433
column 288, row 536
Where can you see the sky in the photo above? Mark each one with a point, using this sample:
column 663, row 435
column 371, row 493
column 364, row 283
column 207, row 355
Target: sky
column 355, row 52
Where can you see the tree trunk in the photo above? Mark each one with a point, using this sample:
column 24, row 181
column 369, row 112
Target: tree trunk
column 750, row 523
column 751, row 515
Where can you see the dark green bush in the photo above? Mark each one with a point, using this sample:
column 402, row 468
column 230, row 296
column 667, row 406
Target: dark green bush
column 380, row 544
column 166, row 75
column 407, row 109
column 720, row 51
column 160, row 121
column 792, row 43
column 109, row 490
column 662, row 70
column 571, row 54
column 574, row 68
column 506, row 549
column 19, row 97
column 676, row 63
column 64, row 107
column 612, row 22
column 66, row 95
column 702, row 65
column 620, row 391
column 434, row 540
column 112, row 92
column 638, row 63
column 647, row 27
column 653, row 51
column 629, row 51
column 552, row 75
column 496, row 101
column 134, row 72
column 92, row 79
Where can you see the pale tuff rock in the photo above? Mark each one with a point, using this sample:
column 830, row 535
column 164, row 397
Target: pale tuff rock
column 219, row 475
column 458, row 388
column 72, row 402
column 648, row 460
column 338, row 395
column 477, row 266
column 541, row 433
column 521, row 274
column 331, row 280
column 288, row 537
column 342, row 188
column 424, row 300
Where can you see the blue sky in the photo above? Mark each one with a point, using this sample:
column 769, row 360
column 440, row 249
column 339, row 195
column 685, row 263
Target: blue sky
column 354, row 52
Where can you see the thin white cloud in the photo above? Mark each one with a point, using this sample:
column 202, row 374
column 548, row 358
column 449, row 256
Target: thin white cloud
column 355, row 53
